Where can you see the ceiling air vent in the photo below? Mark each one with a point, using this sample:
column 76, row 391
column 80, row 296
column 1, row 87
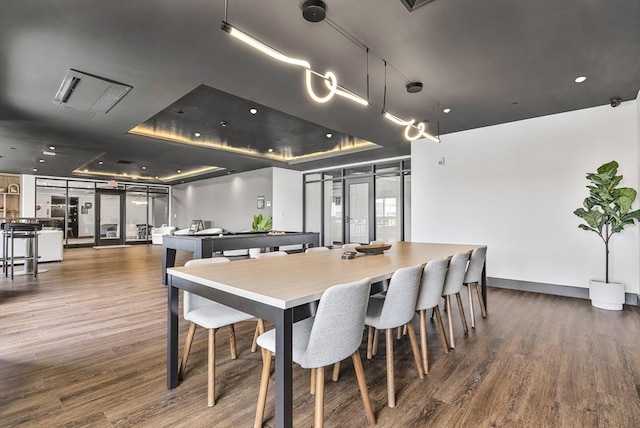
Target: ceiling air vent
column 87, row 93
column 412, row 5
column 124, row 162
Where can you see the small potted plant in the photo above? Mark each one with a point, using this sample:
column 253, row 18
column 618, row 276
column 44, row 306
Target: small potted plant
column 260, row 224
column 607, row 210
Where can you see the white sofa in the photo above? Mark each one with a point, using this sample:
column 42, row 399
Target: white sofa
column 158, row 232
column 49, row 246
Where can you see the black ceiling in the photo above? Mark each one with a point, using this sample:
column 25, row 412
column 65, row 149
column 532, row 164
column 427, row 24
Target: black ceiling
column 490, row 61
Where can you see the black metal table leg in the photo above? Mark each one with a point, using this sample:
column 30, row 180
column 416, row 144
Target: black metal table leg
column 172, row 336
column 284, row 369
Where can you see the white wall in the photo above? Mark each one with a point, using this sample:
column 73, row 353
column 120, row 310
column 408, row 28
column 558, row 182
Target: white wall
column 228, row 202
column 515, row 186
column 287, row 200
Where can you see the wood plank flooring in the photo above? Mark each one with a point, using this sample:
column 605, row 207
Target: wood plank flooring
column 83, row 345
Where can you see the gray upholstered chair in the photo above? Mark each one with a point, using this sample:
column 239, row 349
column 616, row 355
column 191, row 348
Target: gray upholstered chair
column 271, row 254
column 212, row 316
column 259, row 330
column 453, row 286
column 429, row 297
column 351, row 246
column 472, row 278
column 335, row 333
column 315, row 249
column 395, row 310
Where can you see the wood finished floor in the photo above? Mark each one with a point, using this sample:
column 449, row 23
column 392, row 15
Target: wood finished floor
column 83, row 345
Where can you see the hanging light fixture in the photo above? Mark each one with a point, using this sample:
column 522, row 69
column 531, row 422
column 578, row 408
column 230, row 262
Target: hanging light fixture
column 409, row 125
column 412, row 130
column 330, row 79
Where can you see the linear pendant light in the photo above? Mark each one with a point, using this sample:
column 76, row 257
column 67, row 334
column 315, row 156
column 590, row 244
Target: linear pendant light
column 330, row 80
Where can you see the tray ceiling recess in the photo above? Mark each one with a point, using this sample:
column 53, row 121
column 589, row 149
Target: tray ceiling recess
column 83, row 95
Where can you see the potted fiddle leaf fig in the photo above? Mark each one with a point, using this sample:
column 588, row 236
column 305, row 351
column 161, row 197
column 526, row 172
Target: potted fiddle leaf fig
column 606, row 211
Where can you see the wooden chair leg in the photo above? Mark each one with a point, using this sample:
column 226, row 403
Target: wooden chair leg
column 370, row 343
column 312, row 382
column 443, row 335
column 362, row 384
column 232, row 342
column 404, row 330
column 319, row 404
column 471, row 310
column 264, row 386
column 391, row 388
column 254, row 344
column 336, row 372
column 399, row 334
column 414, row 348
column 211, row 369
column 462, row 317
column 375, row 342
column 185, row 353
column 423, row 340
column 483, row 308
column 447, row 306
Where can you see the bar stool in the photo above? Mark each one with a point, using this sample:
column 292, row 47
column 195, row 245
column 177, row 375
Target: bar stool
column 28, row 231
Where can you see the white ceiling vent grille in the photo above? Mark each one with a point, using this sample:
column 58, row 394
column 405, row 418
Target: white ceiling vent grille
column 88, row 93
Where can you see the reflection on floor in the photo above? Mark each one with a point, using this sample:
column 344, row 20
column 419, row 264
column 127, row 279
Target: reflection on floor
column 89, row 241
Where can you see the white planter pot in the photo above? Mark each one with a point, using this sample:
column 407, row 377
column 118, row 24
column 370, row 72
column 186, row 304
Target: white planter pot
column 606, row 295
column 253, row 252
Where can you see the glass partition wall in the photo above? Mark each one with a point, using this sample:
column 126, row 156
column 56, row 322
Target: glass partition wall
column 85, row 210
column 360, row 203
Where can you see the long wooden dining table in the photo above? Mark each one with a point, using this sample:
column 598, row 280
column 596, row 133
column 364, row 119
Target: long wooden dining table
column 284, row 290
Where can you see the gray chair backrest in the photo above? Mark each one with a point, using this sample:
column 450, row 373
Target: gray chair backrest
column 432, row 284
column 271, row 254
column 476, row 264
column 455, row 274
column 193, row 301
column 338, row 324
column 350, row 246
column 400, row 300
column 315, row 249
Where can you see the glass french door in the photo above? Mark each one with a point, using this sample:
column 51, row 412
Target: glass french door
column 359, row 218
column 110, row 215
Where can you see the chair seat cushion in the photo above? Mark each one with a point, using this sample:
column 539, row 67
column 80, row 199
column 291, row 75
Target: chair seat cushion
column 216, row 315
column 301, row 333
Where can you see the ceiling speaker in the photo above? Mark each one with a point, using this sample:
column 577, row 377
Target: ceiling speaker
column 314, row 10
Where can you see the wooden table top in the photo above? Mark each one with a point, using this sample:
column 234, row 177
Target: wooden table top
column 286, row 282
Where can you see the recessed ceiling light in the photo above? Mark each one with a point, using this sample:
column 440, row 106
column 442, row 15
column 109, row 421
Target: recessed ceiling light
column 447, row 110
column 48, row 153
column 52, row 147
column 270, row 150
column 41, row 160
column 253, row 111
column 224, row 123
column 329, row 135
column 35, row 169
column 156, row 177
column 179, row 171
column 580, row 79
column 197, row 134
column 144, row 167
column 100, row 162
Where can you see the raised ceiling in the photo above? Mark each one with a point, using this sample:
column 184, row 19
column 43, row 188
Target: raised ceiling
column 491, row 62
